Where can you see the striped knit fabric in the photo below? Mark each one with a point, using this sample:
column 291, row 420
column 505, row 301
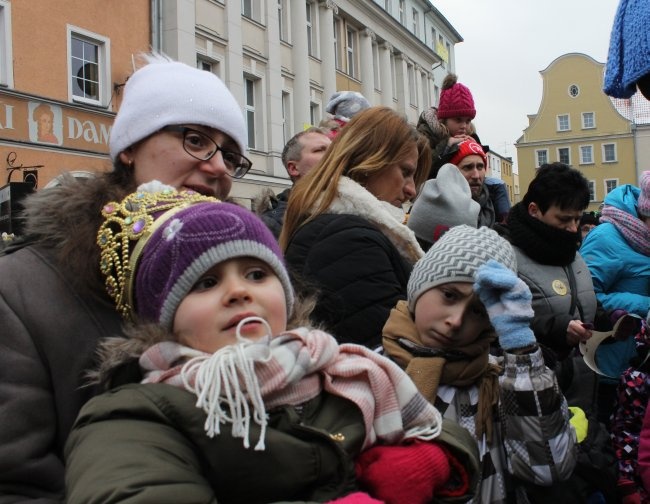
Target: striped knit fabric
column 456, row 257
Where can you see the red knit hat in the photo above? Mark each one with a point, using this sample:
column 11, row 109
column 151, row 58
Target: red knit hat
column 468, row 148
column 455, row 99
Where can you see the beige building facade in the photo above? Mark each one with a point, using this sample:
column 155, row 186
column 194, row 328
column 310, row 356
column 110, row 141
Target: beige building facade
column 501, row 167
column 579, row 125
column 283, row 59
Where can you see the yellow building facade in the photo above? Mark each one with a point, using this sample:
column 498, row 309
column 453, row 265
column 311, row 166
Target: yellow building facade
column 577, row 124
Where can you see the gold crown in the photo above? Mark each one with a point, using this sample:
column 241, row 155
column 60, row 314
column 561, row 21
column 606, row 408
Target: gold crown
column 133, row 220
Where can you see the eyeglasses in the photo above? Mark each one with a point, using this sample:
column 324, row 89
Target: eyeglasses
column 200, row 146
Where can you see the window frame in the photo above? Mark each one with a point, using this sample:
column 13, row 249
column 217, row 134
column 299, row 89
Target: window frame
column 401, row 10
column 581, row 154
column 592, row 190
column 309, row 21
column 250, row 110
column 287, row 116
column 559, row 155
column 103, row 66
column 606, row 185
column 593, row 119
column 537, row 157
column 559, row 119
column 284, row 23
column 604, row 151
column 352, row 51
column 314, row 112
column 255, row 10
column 6, row 46
column 416, row 21
column 337, row 36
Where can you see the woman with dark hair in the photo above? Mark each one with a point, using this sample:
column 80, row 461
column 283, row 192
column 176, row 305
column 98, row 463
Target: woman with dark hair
column 344, row 231
column 176, row 124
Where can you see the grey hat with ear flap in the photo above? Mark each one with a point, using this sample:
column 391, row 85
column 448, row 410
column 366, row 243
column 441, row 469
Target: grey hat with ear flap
column 345, row 104
column 443, row 202
column 456, row 257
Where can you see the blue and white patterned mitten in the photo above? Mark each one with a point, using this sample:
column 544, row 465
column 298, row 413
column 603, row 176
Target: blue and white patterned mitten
column 507, row 300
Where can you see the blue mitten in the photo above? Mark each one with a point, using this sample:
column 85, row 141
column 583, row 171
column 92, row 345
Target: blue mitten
column 507, row 300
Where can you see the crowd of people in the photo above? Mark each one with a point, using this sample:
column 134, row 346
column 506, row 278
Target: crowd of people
column 386, row 330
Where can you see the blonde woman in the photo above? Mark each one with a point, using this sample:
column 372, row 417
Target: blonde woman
column 343, row 231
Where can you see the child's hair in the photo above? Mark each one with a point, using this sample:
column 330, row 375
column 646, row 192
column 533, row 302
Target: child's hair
column 456, row 257
column 156, row 245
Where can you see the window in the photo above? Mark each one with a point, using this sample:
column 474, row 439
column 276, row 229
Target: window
column 586, row 154
column 563, row 122
column 6, row 59
column 337, row 55
column 208, row 65
column 564, row 155
column 609, row 153
column 388, row 6
column 252, row 10
column 286, row 116
column 351, row 50
column 249, row 85
column 542, row 157
column 401, row 12
column 592, row 190
column 574, row 90
column 416, row 23
column 433, row 38
column 440, row 49
column 89, row 67
column 314, row 113
column 610, row 185
column 375, row 66
column 588, row 120
column 448, row 54
column 283, row 20
column 413, row 99
column 310, row 30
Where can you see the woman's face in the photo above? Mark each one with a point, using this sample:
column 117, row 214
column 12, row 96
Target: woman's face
column 229, row 292
column 44, row 124
column 161, row 157
column 450, row 315
column 395, row 183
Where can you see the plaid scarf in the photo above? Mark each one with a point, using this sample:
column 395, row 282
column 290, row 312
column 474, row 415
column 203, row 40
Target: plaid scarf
column 633, row 229
column 239, row 383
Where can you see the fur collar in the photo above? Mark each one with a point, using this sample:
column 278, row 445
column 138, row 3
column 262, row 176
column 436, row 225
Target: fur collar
column 352, row 198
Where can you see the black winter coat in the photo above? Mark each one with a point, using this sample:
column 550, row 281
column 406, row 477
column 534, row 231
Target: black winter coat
column 358, row 272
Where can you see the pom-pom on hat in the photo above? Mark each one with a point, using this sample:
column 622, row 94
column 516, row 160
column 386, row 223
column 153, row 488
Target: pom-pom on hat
column 456, row 257
column 345, row 104
column 468, row 148
column 644, row 197
column 443, row 203
column 164, row 93
column 455, row 99
column 156, row 246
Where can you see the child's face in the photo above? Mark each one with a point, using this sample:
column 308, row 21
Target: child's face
column 242, row 287
column 458, row 125
column 450, row 315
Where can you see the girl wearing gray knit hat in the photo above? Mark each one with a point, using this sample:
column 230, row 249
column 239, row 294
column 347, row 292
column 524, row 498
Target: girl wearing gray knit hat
column 464, row 296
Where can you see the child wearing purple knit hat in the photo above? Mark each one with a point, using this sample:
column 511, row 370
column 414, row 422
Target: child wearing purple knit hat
column 235, row 382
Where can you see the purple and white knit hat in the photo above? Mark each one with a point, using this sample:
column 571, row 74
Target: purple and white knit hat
column 169, row 242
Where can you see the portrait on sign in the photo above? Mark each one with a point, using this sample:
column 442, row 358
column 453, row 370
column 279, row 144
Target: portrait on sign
column 45, row 124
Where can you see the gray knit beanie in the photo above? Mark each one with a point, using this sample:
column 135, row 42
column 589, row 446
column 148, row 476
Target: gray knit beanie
column 443, row 203
column 456, row 257
column 345, row 104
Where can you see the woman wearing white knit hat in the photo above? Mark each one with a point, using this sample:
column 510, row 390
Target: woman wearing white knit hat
column 176, row 124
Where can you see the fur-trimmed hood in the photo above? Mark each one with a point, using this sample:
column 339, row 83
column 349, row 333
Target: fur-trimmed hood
column 65, row 219
column 352, row 198
column 431, row 127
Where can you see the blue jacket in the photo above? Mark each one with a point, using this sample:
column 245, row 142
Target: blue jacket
column 621, row 275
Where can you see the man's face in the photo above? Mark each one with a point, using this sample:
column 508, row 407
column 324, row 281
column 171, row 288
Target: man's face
column 473, row 169
column 567, row 219
column 314, row 146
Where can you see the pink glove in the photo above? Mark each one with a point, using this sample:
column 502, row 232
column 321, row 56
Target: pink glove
column 356, row 498
column 411, row 473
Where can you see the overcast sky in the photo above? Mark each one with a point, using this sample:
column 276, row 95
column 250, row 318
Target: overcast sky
column 508, row 42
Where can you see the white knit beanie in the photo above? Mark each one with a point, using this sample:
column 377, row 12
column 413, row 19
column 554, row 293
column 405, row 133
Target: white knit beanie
column 456, row 257
column 443, row 203
column 164, row 93
column 345, row 104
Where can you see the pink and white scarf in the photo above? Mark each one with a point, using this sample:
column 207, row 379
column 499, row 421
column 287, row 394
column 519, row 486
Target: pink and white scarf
column 633, row 229
column 239, row 383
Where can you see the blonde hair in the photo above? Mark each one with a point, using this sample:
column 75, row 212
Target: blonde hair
column 374, row 140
